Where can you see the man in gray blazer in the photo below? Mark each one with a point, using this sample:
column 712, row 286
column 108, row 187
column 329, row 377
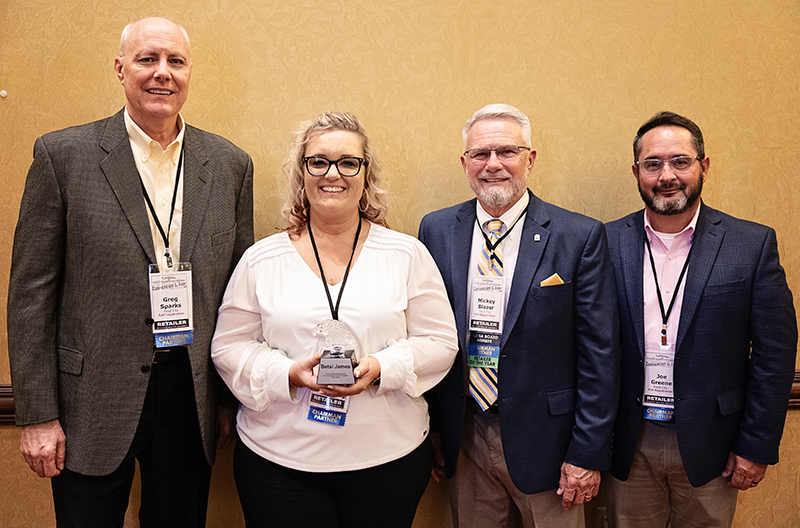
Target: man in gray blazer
column 103, row 203
column 709, row 338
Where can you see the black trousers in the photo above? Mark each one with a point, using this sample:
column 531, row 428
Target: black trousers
column 174, row 472
column 386, row 495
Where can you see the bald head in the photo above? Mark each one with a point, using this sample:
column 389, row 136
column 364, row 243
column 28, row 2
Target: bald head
column 152, row 22
column 155, row 67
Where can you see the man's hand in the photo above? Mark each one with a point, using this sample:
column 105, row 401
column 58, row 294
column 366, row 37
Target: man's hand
column 43, row 447
column 226, row 426
column 744, row 474
column 577, row 485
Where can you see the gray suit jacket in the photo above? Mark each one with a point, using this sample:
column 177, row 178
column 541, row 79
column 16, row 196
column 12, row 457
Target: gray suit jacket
column 735, row 349
column 78, row 305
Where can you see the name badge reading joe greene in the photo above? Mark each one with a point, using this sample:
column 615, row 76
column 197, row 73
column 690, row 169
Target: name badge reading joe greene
column 171, row 305
column 659, row 401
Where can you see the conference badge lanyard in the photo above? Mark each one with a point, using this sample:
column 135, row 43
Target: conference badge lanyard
column 170, row 288
column 339, row 351
column 659, row 397
column 487, row 309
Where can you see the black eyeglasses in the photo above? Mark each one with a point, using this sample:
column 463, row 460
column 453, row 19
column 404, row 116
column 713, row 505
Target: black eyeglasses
column 347, row 166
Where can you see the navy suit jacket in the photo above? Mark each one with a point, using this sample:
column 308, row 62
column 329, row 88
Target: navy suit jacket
column 735, row 350
column 558, row 373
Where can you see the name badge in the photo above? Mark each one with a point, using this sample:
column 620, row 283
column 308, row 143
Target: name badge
column 327, row 409
column 658, row 403
column 171, row 305
column 486, row 304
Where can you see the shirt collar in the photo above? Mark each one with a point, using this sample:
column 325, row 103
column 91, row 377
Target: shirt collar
column 143, row 145
column 687, row 231
column 509, row 217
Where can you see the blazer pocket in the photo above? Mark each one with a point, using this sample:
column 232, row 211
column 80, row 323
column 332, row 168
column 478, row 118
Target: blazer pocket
column 731, row 401
column 224, row 237
column 721, row 289
column 554, row 290
column 562, row 402
column 70, row 361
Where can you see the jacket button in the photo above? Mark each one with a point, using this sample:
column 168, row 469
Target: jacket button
column 149, row 321
column 638, row 401
column 146, row 369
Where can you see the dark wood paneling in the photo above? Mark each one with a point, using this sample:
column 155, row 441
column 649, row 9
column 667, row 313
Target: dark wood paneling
column 6, row 405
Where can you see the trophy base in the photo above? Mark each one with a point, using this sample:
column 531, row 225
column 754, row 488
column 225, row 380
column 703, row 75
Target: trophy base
column 336, row 368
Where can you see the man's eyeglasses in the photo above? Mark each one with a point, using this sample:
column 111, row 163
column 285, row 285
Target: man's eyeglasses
column 506, row 152
column 679, row 164
column 319, row 166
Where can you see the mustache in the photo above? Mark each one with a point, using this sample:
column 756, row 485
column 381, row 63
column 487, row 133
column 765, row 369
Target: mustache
column 669, row 187
column 502, row 173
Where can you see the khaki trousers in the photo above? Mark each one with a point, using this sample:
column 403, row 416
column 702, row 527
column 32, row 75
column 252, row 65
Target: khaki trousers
column 658, row 492
column 482, row 494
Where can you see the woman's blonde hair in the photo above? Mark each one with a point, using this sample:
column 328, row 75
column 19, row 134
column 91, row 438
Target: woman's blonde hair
column 372, row 205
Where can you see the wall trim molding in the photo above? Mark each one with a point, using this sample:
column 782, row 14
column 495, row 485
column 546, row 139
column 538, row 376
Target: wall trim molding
column 7, row 400
column 6, row 405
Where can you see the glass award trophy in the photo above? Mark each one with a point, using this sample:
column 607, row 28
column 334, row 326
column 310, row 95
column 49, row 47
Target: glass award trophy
column 339, row 356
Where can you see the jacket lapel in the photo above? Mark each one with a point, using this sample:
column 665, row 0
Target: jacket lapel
column 119, row 168
column 461, row 239
column 529, row 257
column 632, row 262
column 196, row 191
column 707, row 239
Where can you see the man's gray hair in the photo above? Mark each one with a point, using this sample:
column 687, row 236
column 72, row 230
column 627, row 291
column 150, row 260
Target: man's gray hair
column 500, row 111
column 123, row 41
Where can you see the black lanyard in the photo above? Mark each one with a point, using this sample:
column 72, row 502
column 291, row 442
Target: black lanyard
column 334, row 309
column 489, row 245
column 165, row 236
column 665, row 315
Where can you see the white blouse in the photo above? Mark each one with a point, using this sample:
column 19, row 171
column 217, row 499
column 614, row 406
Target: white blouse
column 396, row 305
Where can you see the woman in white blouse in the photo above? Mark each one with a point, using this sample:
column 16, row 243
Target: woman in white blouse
column 333, row 455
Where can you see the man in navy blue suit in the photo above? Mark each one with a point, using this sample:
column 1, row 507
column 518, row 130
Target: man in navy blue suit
column 525, row 415
column 709, row 338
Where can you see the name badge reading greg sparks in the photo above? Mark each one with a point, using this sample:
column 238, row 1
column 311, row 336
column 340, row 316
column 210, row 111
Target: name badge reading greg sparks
column 171, row 305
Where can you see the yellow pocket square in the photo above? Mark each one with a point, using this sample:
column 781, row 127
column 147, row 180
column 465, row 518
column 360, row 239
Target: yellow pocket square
column 552, row 280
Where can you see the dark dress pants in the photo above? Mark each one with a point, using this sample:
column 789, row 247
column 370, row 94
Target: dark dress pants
column 174, row 472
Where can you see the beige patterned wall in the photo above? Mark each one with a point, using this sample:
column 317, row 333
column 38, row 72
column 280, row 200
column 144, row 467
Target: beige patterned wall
column 587, row 73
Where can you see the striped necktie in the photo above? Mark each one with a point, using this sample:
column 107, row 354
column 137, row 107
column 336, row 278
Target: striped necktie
column 483, row 381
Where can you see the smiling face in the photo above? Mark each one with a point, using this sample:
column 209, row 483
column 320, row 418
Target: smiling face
column 497, row 183
column 334, row 196
column 154, row 68
column 670, row 192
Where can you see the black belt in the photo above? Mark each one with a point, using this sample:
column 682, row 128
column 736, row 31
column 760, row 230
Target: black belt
column 167, row 355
